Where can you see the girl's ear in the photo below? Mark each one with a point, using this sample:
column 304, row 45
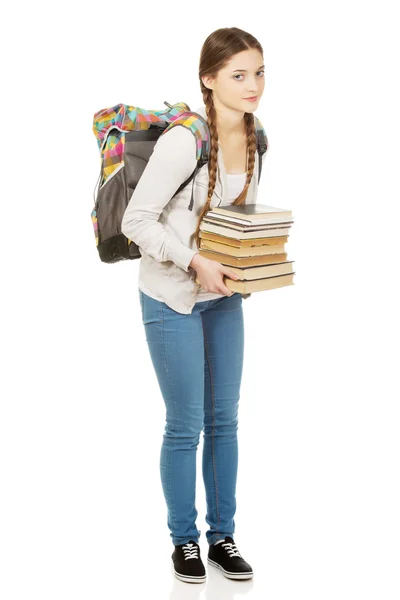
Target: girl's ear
column 208, row 81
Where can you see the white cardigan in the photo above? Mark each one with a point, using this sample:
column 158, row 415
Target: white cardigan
column 162, row 227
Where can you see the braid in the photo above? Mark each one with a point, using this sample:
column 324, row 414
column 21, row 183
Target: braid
column 213, row 159
column 251, row 155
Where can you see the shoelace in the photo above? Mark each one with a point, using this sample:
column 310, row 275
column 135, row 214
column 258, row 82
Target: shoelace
column 190, row 551
column 231, row 549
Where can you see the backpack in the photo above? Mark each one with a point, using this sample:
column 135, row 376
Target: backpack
column 126, row 136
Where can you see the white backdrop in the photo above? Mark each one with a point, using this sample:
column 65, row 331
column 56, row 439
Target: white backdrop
column 82, row 417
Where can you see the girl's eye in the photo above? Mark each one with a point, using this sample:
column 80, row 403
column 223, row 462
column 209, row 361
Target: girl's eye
column 241, row 75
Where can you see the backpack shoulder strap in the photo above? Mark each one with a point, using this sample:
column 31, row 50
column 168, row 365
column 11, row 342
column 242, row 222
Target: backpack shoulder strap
column 262, row 143
column 199, row 127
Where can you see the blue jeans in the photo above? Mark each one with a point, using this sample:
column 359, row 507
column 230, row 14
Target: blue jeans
column 198, row 360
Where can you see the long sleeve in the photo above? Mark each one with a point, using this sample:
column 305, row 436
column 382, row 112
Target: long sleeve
column 172, row 161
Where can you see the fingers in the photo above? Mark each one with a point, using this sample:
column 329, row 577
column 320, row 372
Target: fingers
column 225, row 290
column 231, row 274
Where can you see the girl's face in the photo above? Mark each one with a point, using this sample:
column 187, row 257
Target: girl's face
column 242, row 77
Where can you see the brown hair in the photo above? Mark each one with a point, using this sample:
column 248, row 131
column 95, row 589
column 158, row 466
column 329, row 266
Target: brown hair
column 217, row 50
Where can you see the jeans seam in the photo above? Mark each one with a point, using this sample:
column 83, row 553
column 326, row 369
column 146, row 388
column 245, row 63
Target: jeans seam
column 213, row 427
column 161, row 317
column 169, row 483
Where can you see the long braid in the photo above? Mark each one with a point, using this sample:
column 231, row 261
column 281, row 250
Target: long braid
column 213, row 158
column 251, row 155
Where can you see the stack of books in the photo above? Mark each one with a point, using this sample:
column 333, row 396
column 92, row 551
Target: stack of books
column 250, row 239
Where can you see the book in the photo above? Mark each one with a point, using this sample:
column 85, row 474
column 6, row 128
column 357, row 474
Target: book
column 244, row 261
column 241, row 249
column 252, row 212
column 269, row 221
column 257, row 272
column 258, row 285
column 242, row 233
column 227, row 222
column 252, row 243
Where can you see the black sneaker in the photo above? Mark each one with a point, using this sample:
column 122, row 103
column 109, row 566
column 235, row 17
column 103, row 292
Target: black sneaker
column 226, row 557
column 188, row 565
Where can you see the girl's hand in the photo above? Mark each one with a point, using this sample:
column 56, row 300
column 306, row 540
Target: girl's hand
column 210, row 274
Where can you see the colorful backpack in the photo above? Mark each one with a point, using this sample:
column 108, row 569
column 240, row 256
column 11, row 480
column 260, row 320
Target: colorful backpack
column 126, row 136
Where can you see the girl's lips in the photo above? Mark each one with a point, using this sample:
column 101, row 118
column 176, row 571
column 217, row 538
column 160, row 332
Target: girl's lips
column 251, row 99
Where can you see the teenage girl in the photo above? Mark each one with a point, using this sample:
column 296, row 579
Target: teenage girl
column 197, row 352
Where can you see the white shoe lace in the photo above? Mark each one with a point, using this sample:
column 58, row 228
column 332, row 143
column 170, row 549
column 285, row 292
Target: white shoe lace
column 190, row 551
column 231, row 549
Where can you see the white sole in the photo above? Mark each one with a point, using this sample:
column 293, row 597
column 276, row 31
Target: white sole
column 190, row 579
column 229, row 574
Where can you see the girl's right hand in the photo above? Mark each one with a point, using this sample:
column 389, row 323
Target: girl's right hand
column 210, row 274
